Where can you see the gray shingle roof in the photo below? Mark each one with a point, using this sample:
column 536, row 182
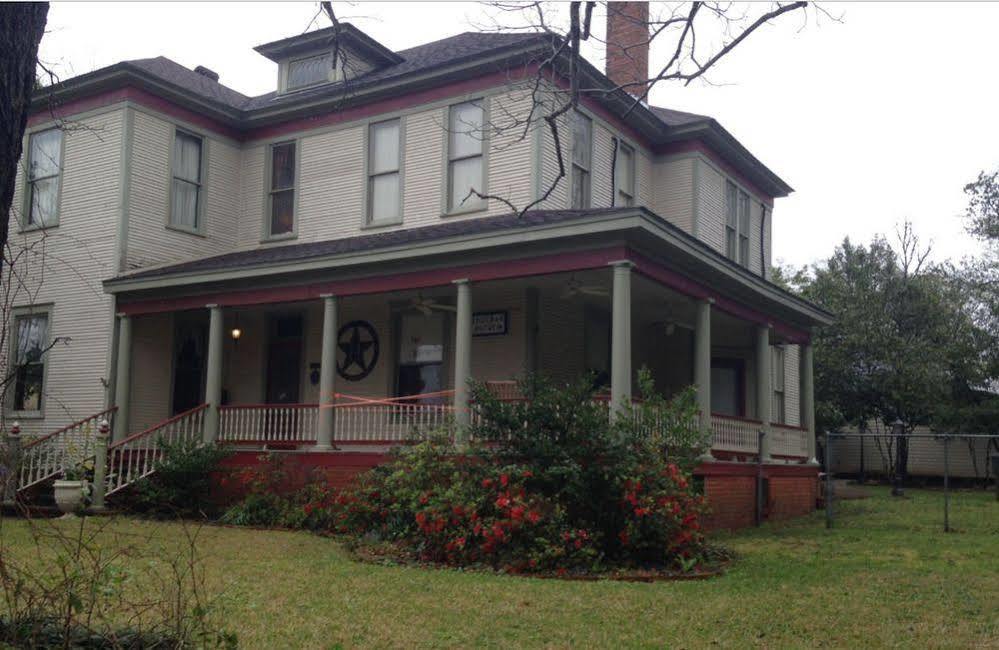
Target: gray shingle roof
column 677, row 118
column 313, row 250
column 175, row 73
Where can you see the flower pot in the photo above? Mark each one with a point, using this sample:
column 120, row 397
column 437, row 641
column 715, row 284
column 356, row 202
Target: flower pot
column 72, row 496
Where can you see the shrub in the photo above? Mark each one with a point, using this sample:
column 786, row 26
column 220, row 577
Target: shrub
column 182, row 482
column 547, row 485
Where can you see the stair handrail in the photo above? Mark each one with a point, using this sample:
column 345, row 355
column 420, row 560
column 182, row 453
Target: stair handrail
column 35, row 466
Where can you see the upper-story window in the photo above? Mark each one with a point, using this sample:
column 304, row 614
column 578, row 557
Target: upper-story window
column 310, row 71
column 185, row 200
column 44, row 168
column 737, row 207
column 384, row 171
column 779, row 409
column 29, row 361
column 282, row 190
column 582, row 154
column 465, row 156
column 624, row 182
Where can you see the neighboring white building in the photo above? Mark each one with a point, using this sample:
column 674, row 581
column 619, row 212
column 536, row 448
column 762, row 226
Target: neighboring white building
column 342, row 195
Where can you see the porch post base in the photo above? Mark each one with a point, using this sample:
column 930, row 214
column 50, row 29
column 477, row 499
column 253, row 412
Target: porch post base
column 321, row 448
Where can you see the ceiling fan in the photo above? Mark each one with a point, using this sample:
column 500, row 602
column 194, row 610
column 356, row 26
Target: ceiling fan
column 426, row 306
column 575, row 288
column 671, row 322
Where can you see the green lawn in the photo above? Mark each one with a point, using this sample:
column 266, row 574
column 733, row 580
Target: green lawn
column 885, row 576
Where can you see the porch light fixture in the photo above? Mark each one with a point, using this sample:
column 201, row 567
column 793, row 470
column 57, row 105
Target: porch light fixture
column 236, row 333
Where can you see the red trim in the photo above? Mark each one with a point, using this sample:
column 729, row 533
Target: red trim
column 138, row 96
column 384, row 283
column 699, row 146
column 160, row 425
column 113, row 409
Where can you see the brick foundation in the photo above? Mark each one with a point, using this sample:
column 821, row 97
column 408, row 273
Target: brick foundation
column 730, row 488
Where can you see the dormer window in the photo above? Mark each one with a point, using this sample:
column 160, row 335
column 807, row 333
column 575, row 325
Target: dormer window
column 310, row 71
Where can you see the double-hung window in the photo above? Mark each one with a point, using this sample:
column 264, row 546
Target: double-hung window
column 737, row 210
column 282, row 190
column 310, row 71
column 465, row 160
column 779, row 414
column 625, row 176
column 384, row 172
column 185, row 200
column 44, row 167
column 29, row 361
column 582, row 154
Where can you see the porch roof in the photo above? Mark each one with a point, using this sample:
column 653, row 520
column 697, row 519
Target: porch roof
column 488, row 248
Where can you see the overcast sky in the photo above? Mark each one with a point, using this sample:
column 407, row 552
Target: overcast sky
column 882, row 117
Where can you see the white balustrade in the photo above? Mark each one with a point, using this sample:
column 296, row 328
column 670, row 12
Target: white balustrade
column 49, row 455
column 389, row 422
column 138, row 455
column 268, row 423
column 789, row 441
column 735, row 434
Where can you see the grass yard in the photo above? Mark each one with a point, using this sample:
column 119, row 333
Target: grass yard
column 886, row 576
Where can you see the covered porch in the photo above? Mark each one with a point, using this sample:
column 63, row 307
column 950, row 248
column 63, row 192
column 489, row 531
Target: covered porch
column 362, row 358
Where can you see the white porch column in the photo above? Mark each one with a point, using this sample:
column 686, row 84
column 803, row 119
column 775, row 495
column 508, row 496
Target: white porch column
column 462, row 356
column 621, row 339
column 806, row 357
column 327, row 374
column 123, row 377
column 213, row 380
column 702, row 369
column 764, row 394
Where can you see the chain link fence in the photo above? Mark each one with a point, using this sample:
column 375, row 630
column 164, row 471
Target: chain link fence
column 899, row 456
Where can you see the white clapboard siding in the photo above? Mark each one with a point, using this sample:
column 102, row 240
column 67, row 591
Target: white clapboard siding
column 66, row 268
column 149, row 240
column 672, row 192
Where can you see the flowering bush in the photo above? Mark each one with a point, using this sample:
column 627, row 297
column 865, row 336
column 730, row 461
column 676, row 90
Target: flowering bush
column 547, row 485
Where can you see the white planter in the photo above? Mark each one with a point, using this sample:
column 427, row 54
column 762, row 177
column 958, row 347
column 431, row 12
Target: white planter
column 72, row 496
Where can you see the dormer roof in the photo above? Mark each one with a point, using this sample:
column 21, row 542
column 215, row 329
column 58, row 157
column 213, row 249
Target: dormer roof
column 349, row 37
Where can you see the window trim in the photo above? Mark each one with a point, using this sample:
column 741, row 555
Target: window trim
column 368, row 221
column 633, row 173
column 16, row 314
column 265, row 233
column 572, row 162
column 735, row 255
column 24, row 223
column 480, row 205
column 779, row 354
column 201, row 228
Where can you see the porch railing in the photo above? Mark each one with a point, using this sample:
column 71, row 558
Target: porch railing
column 268, row 423
column 389, row 420
column 138, row 455
column 735, row 434
column 789, row 440
column 46, row 457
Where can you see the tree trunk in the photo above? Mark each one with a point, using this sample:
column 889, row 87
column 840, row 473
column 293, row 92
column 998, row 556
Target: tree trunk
column 21, row 28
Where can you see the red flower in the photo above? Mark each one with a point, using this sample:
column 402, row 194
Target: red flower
column 533, row 517
column 487, row 482
column 503, row 502
column 579, row 543
column 421, row 518
column 517, row 512
column 504, row 480
column 527, row 473
column 623, row 536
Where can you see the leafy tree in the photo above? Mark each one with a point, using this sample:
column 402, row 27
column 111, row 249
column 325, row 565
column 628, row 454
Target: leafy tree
column 904, row 346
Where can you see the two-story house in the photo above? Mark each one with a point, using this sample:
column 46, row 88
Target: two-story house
column 311, row 267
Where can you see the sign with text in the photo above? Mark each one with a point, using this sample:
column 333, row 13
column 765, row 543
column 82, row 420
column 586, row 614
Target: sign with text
column 490, row 323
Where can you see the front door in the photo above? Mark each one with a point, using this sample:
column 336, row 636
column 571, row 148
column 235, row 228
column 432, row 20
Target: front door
column 421, row 356
column 284, row 359
column 189, row 353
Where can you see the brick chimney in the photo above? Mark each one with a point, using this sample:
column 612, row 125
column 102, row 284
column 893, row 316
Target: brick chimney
column 628, row 45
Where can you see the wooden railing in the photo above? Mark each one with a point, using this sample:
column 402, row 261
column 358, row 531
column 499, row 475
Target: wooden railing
column 138, row 455
column 734, row 434
column 392, row 421
column 789, row 440
column 46, row 457
column 268, row 423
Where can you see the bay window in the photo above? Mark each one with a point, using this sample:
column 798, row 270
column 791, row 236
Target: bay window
column 44, row 169
column 185, row 198
column 384, row 172
column 465, row 159
column 282, row 190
